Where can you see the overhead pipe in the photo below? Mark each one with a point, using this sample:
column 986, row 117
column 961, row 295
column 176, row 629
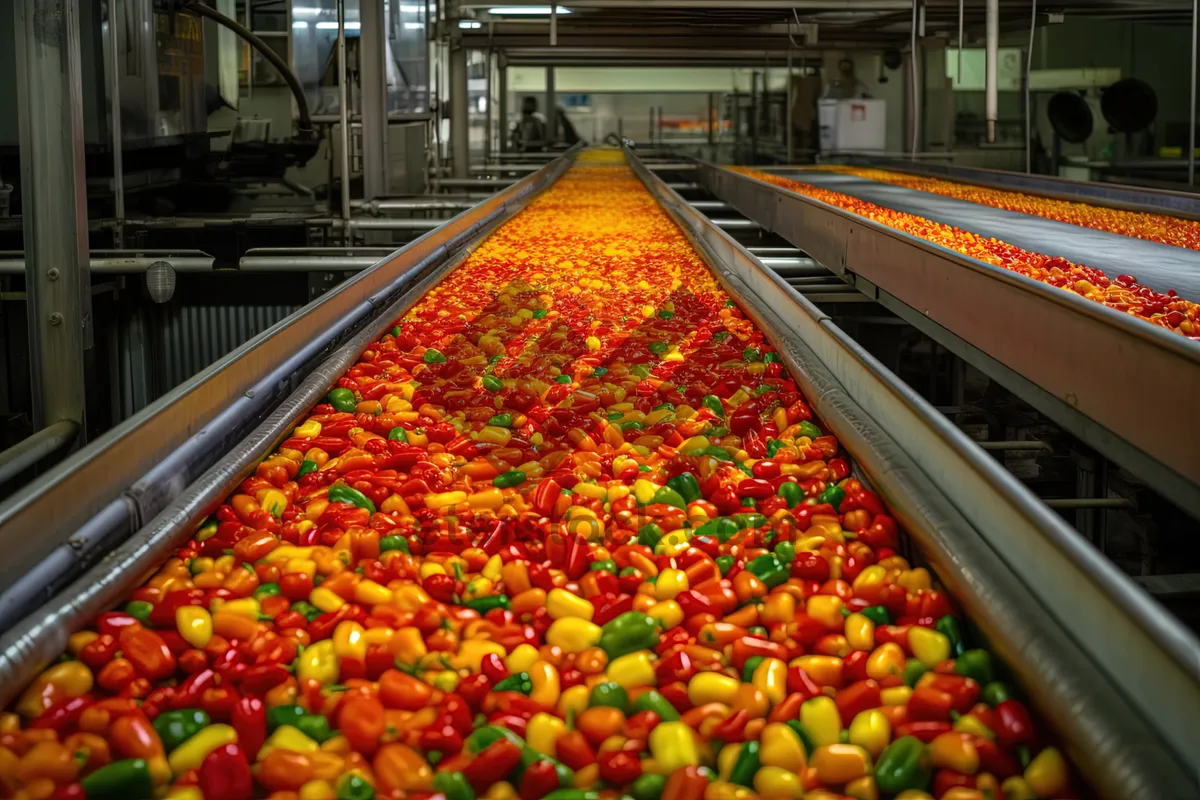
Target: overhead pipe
column 992, row 23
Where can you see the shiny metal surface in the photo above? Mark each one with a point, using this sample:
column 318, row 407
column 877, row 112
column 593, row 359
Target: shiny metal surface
column 373, row 33
column 1083, row 640
column 150, row 458
column 343, row 112
column 460, row 122
column 124, row 262
column 27, row 452
column 53, row 198
column 1054, row 340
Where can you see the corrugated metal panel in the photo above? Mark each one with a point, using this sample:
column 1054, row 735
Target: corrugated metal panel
column 189, row 338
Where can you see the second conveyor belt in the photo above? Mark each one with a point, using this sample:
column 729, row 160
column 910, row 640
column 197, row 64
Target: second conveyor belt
column 487, row 397
column 1160, row 266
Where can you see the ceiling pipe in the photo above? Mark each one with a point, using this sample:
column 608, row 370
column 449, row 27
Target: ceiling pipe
column 992, row 23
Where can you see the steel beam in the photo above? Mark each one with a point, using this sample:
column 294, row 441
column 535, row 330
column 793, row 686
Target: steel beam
column 460, row 118
column 373, row 76
column 54, row 203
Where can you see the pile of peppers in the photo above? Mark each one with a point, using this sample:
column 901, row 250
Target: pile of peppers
column 1122, row 293
column 1159, row 228
column 568, row 531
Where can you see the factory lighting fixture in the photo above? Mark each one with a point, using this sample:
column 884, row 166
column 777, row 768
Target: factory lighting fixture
column 414, row 26
column 526, row 11
column 306, row 11
column 300, row 25
column 409, row 9
column 332, row 26
column 469, row 24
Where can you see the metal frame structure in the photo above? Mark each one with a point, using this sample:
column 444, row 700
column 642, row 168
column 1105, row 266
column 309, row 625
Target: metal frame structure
column 1052, row 348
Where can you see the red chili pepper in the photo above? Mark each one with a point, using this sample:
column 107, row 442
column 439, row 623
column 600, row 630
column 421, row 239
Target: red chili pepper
column 540, row 779
column 148, row 653
column 249, row 719
column 260, row 679
column 225, row 773
column 745, row 649
column 619, row 767
column 930, row 704
column 963, row 691
column 492, row 765
column 732, row 728
column 189, row 693
column 686, row 783
column 63, row 715
column 572, row 749
column 113, row 622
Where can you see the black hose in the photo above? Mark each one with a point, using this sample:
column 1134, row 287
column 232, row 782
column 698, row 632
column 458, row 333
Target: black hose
column 305, row 123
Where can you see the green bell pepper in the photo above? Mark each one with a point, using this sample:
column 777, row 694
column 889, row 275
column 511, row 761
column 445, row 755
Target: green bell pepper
column 913, row 670
column 785, row 552
column 833, row 495
column 976, row 664
column 315, row 727
column 453, row 785
column 648, row 787
column 658, row 348
column 342, row 399
column 804, row 736
column 514, row 477
column 666, row 315
column 394, row 543
column 562, row 378
column 721, row 529
column 139, row 610
column 599, row 372
column 948, row 627
column 749, row 519
column 751, row 354
column 176, row 727
column 810, row 430
column 769, row 569
column 433, row 356
column 572, row 794
column 492, row 384
column 996, row 693
column 628, row 633
column 713, row 404
column 519, row 682
column 607, row 565
column 725, row 563
column 354, row 787
column 611, row 695
column 653, row 701
column 540, row 313
column 398, row 434
column 483, row 738
column 791, row 493
column 748, row 668
column 903, row 764
column 877, row 614
column 120, row 780
column 668, row 496
column 504, row 420
column 488, row 602
column 306, row 467
column 649, row 534
column 746, row 765
column 267, row 590
column 306, row 608
column 687, row 486
column 773, row 447
column 341, row 493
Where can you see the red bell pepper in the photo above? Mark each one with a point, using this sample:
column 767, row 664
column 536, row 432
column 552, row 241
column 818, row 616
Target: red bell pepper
column 249, row 719
column 492, row 765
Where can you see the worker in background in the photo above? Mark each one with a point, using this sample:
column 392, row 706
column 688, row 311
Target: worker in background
column 846, row 85
column 531, row 133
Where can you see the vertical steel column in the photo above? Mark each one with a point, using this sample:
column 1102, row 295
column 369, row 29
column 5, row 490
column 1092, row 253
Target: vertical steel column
column 992, row 43
column 54, row 205
column 502, row 102
column 551, row 106
column 460, row 120
column 711, row 109
column 344, row 114
column 1028, row 93
column 487, row 105
column 118, row 136
column 1192, row 115
column 372, row 73
column 787, row 113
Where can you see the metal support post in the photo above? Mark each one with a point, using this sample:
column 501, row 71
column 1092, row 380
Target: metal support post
column 1192, row 115
column 711, row 122
column 118, row 150
column 460, row 133
column 992, row 44
column 487, row 105
column 551, row 107
column 502, row 102
column 373, row 75
column 787, row 114
column 343, row 110
column 54, row 203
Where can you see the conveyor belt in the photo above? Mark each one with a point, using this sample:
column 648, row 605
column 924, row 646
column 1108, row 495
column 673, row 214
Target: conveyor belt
column 569, row 330
column 1159, row 266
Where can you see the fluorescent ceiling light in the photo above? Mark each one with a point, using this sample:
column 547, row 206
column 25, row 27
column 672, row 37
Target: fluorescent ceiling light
column 414, row 26
column 306, row 11
column 470, row 24
column 300, row 26
column 409, row 9
column 332, row 26
column 526, row 11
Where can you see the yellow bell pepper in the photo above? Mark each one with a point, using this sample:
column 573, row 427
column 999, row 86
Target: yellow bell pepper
column 245, row 607
column 370, row 593
column 57, row 683
column 325, row 599
column 287, row 737
column 840, row 763
column 470, row 652
column 824, row 670
column 573, row 635
column 930, row 647
column 820, row 717
column 781, row 747
column 560, row 604
column 863, row 788
column 309, row 430
column 634, row 669
column 673, row 745
column 644, row 491
column 1046, row 775
column 713, row 687
column 573, row 701
column 542, row 733
column 349, row 641
column 969, row 723
column 778, row 782
column 726, row 759
column 826, row 609
column 873, row 575
column 191, row 754
column 896, row 695
column 522, row 658
column 77, row 641
column 194, row 624
column 492, row 569
column 667, row 612
column 317, row 790
column 319, row 663
column 445, row 499
column 547, row 685
column 671, row 582
column 886, row 660
column 770, row 678
column 954, row 751
column 860, row 632
column 185, row 793
column 1015, row 788
column 871, row 731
